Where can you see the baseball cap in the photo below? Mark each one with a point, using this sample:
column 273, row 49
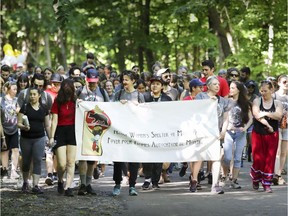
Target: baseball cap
column 195, row 82
column 250, row 83
column 19, row 64
column 162, row 70
column 56, row 78
column 156, row 78
column 92, row 75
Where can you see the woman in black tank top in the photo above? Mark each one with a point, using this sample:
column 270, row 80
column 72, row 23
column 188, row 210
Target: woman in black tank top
column 267, row 112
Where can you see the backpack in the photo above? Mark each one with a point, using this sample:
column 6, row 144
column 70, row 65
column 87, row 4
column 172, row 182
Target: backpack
column 79, row 91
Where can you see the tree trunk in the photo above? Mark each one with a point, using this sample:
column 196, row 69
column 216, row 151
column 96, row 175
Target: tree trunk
column 146, row 24
column 215, row 26
column 63, row 59
column 47, row 50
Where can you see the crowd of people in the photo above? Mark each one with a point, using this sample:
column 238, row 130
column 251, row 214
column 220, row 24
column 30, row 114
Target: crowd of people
column 38, row 116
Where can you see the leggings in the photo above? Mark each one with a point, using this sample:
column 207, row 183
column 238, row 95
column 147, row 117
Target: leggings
column 32, row 150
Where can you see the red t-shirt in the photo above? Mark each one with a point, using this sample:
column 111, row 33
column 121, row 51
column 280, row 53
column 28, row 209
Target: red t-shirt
column 66, row 113
column 53, row 94
column 188, row 98
column 224, row 87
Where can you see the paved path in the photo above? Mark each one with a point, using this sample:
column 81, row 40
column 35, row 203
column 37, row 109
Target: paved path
column 175, row 199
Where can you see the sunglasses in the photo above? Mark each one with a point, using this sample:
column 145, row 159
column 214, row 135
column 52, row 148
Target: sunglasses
column 167, row 76
column 235, row 75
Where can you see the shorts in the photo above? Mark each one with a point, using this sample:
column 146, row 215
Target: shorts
column 12, row 141
column 65, row 135
column 284, row 134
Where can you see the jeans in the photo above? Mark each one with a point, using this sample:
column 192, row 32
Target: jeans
column 153, row 171
column 234, row 140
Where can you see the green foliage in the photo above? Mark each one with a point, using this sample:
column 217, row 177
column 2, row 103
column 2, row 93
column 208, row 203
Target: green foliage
column 116, row 31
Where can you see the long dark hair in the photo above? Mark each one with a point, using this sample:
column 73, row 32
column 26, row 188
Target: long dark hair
column 23, row 77
column 66, row 92
column 243, row 101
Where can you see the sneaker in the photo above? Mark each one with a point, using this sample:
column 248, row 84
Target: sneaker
column 217, row 189
column 4, row 173
column 54, row 177
column 60, row 188
column 283, row 172
column 37, row 190
column 25, row 188
column 132, row 191
column 275, row 180
column 96, row 173
column 222, row 181
column 193, row 186
column 161, row 180
column 255, row 185
column 209, row 178
column 146, row 185
column 165, row 177
column 267, row 188
column 281, row 181
column 90, row 190
column 155, row 186
column 234, row 184
column 200, row 176
column 116, row 190
column 14, row 174
column 82, row 190
column 69, row 192
column 183, row 170
column 49, row 181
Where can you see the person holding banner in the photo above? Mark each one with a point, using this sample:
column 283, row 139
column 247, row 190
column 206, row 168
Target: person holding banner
column 63, row 135
column 267, row 113
column 213, row 87
column 238, row 121
column 91, row 92
column 152, row 171
column 128, row 93
column 195, row 87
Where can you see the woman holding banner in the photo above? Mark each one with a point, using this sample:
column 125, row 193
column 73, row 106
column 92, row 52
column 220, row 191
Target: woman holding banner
column 128, row 93
column 213, row 87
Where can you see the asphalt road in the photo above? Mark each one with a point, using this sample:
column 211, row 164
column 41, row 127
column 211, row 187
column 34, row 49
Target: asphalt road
column 175, row 199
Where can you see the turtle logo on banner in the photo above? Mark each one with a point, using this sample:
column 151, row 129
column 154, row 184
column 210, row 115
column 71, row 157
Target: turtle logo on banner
column 96, row 124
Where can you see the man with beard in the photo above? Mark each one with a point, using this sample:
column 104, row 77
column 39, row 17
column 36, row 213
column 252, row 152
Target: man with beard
column 90, row 92
column 165, row 75
column 37, row 81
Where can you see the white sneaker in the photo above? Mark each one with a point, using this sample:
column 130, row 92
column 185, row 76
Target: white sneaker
column 216, row 189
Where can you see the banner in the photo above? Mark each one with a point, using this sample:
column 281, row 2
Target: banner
column 175, row 131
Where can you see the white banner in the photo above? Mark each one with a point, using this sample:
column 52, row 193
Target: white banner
column 175, row 131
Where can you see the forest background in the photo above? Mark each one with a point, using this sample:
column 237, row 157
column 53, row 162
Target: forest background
column 123, row 33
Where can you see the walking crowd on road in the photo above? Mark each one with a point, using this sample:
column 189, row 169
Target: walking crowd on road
column 38, row 118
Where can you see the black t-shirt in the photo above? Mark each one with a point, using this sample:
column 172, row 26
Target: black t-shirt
column 149, row 98
column 36, row 120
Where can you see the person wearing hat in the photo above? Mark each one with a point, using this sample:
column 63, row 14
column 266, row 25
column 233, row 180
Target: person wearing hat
column 222, row 73
column 152, row 171
column 56, row 80
column 165, row 75
column 195, row 87
column 90, row 92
